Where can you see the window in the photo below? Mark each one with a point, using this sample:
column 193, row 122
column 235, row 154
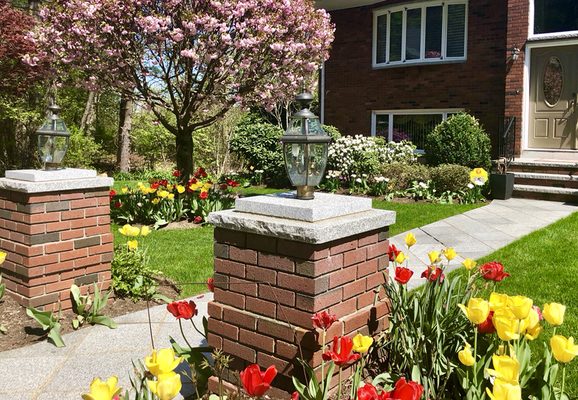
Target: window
column 551, row 16
column 420, row 33
column 412, row 125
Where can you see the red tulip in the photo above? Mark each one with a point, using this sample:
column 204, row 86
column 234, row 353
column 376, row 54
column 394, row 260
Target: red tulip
column 295, row 396
column 403, row 275
column 493, row 271
column 183, row 309
column 117, row 204
column 198, row 219
column 404, row 390
column 433, row 274
column 211, row 284
column 341, row 352
column 255, row 382
column 176, row 173
column 323, row 320
column 487, row 327
column 367, row 392
column 204, row 195
column 111, row 194
column 200, row 173
column 392, row 252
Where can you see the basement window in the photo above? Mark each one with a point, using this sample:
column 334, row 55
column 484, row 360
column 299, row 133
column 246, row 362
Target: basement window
column 418, row 33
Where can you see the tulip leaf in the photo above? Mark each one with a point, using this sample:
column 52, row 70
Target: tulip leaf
column 54, row 335
column 104, row 320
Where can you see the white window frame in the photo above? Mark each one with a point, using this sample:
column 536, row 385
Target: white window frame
column 422, row 60
column 545, row 36
column 424, row 111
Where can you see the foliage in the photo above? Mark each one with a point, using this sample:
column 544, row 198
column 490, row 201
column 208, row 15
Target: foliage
column 89, row 308
column 402, row 175
column 257, row 143
column 194, row 60
column 49, row 322
column 459, row 140
column 358, row 155
column 131, row 274
column 165, row 201
column 82, row 151
column 151, row 140
column 421, row 191
column 332, row 131
column 449, row 177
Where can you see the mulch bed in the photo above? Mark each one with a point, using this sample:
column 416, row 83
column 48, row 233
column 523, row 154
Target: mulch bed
column 23, row 330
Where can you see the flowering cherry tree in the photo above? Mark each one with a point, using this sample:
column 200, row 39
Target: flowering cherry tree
column 189, row 61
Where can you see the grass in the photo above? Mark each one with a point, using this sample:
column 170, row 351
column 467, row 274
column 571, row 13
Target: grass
column 543, row 266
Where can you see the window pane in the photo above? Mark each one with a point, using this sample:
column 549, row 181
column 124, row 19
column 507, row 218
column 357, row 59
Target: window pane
column 413, row 34
column 396, row 21
column 382, row 125
column 433, row 32
column 414, row 127
column 555, row 16
column 456, row 30
column 381, row 39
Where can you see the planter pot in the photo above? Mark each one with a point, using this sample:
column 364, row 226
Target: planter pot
column 502, row 186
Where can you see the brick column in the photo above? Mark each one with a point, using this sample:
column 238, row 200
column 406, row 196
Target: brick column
column 55, row 227
column 269, row 284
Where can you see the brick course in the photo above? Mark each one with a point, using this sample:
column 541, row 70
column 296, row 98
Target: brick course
column 53, row 241
column 263, row 301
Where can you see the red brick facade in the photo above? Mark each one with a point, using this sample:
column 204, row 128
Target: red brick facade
column 479, row 85
column 267, row 289
column 54, row 240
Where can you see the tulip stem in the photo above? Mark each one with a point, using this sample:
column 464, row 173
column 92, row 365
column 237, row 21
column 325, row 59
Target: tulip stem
column 563, row 381
column 475, row 356
column 150, row 324
column 183, row 334
column 195, row 326
column 323, row 351
column 339, row 390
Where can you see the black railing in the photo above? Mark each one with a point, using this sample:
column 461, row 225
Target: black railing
column 507, row 143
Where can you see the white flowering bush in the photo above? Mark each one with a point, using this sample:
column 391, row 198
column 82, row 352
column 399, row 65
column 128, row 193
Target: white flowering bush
column 362, row 155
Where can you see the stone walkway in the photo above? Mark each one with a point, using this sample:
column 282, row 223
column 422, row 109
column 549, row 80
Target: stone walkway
column 44, row 372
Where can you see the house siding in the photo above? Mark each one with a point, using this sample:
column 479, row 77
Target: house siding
column 353, row 88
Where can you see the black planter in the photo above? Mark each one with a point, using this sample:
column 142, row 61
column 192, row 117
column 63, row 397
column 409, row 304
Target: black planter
column 501, row 186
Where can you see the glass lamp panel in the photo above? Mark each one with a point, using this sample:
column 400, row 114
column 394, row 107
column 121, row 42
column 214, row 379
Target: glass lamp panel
column 52, row 148
column 317, row 153
column 295, row 163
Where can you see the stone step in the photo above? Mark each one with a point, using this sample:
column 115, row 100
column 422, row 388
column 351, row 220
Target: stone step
column 544, row 167
column 546, row 179
column 546, row 193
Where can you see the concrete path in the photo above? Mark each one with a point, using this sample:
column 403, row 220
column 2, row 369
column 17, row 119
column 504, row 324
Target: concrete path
column 479, row 232
column 43, row 372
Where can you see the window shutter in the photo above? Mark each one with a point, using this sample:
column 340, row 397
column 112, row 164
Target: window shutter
column 381, row 44
column 456, row 30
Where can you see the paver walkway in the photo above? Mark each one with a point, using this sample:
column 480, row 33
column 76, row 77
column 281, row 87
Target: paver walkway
column 43, row 372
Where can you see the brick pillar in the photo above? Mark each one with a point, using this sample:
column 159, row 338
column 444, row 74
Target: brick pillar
column 56, row 231
column 272, row 274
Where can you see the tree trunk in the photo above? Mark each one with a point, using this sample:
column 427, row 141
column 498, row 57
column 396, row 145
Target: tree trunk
column 89, row 115
column 184, row 143
column 124, row 127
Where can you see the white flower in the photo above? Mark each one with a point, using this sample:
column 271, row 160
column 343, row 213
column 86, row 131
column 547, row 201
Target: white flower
column 423, row 185
column 358, row 180
column 470, row 185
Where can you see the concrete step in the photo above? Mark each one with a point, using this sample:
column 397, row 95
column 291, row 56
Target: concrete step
column 545, row 167
column 562, row 180
column 546, row 193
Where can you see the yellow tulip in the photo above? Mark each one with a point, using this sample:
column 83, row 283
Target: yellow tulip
column 124, row 190
column 156, row 200
column 506, row 368
column 477, row 310
column 506, row 325
column 132, row 244
column 450, row 253
column 195, row 186
column 505, row 391
column 410, row 240
column 162, row 194
column 2, row 257
column 145, row 230
column 171, row 196
column 162, row 361
column 169, row 187
column 207, row 186
column 167, row 386
column 128, row 230
column 433, row 256
column 520, row 306
column 361, row 343
column 468, row 263
column 533, row 333
column 100, row 390
column 498, row 301
column 180, row 189
column 400, row 258
column 554, row 313
column 466, row 357
column 564, row 350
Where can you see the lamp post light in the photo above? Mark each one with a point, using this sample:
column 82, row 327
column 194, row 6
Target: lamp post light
column 53, row 139
column 305, row 147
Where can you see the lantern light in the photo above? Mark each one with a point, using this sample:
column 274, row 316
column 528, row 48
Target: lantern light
column 53, row 139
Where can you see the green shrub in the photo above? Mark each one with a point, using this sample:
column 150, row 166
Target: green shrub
column 131, row 275
column 332, row 131
column 402, row 175
column 257, row 143
column 459, row 140
column 82, row 150
column 450, row 177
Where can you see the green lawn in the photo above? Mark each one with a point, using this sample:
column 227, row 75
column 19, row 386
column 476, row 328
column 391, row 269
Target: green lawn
column 543, row 266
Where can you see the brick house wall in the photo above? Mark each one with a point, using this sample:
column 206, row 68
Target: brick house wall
column 353, row 88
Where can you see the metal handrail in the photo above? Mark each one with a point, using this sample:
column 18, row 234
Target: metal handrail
column 507, row 142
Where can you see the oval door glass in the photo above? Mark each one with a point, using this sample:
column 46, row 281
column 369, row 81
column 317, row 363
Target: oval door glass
column 553, row 81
